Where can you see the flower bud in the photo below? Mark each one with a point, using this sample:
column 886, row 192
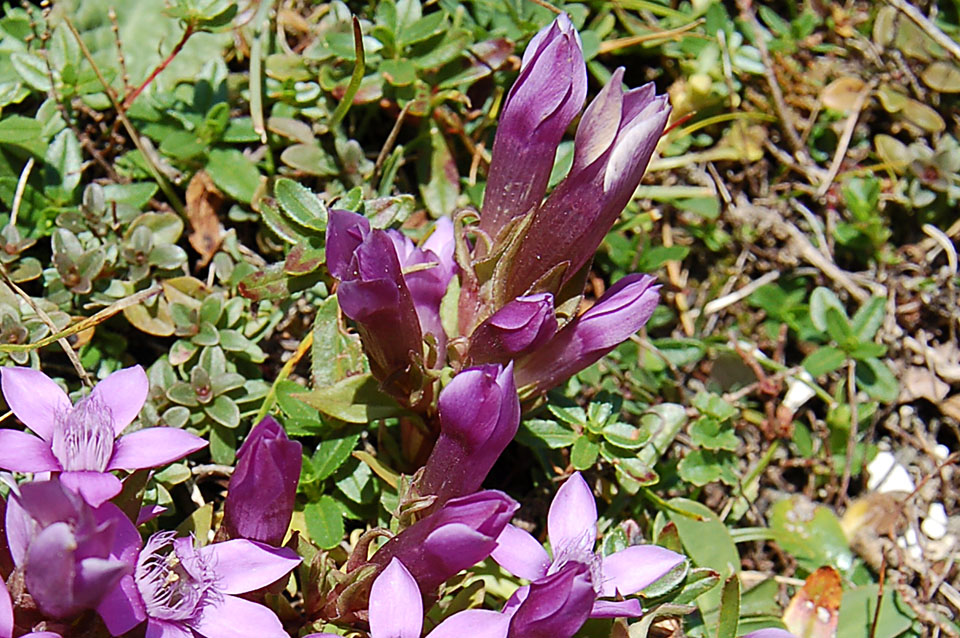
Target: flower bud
column 70, row 552
column 263, row 486
column 479, row 416
column 458, row 535
column 522, row 325
column 547, row 95
column 619, row 313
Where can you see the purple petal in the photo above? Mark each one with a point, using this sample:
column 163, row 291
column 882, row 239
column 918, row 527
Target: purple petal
column 20, row 529
column 769, row 633
column 396, row 608
column 22, row 452
column 96, row 488
column 630, row 570
column 457, row 546
column 243, row 565
column 164, row 629
column 521, row 554
column 49, row 570
column 555, row 606
column 122, row 608
column 40, row 634
column 34, row 398
column 572, row 519
column 153, row 447
column 617, row 609
column 124, row 392
column 149, row 512
column 232, row 617
column 476, row 623
column 6, row 611
column 345, row 232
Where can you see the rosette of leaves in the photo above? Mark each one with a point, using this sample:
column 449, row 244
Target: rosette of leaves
column 712, row 433
column 150, row 242
column 77, row 263
column 18, row 267
column 215, row 322
column 598, row 433
column 207, row 399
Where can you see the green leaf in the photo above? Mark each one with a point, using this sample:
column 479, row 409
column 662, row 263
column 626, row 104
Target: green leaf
column 310, row 159
column 714, row 405
column 712, row 434
column 224, row 411
column 64, row 162
column 32, row 69
column 439, row 177
column 356, row 399
column 545, row 432
column 584, row 453
column 838, row 327
column 862, row 196
column 811, row 533
column 324, row 522
column 868, row 319
column 858, row 609
column 877, row 380
column 300, row 204
column 336, row 353
column 625, row 435
column 824, row 360
column 332, row 453
column 821, row 299
column 699, row 467
column 233, row 173
column 223, row 444
column 729, row 608
column 198, row 524
column 24, row 132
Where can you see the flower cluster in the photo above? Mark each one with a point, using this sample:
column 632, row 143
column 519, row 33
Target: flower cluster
column 74, row 550
column 521, row 276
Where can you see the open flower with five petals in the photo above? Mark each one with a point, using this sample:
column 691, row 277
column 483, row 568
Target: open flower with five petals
column 572, row 529
column 83, row 441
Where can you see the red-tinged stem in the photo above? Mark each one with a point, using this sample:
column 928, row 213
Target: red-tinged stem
column 127, row 101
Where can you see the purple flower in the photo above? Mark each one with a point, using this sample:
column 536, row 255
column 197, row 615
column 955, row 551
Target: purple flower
column 427, row 271
column 6, row 617
column 555, row 606
column 479, row 416
column 619, row 313
column 182, row 590
column 614, row 143
column 263, row 486
column 374, row 294
column 572, row 528
column 547, row 95
column 769, row 633
column 71, row 554
column 83, row 441
column 523, row 325
column 457, row 536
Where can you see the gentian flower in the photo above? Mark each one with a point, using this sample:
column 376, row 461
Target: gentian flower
column 523, row 325
column 572, row 528
column 546, row 97
column 181, row 590
column 479, row 416
column 458, row 535
column 614, row 143
column 263, row 486
column 553, row 607
column 71, row 554
column 83, row 442
column 621, row 311
column 769, row 633
column 6, row 617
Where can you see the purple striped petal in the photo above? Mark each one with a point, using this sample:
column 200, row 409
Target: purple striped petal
column 124, row 392
column 96, row 488
column 572, row 519
column 153, row 447
column 634, row 568
column 232, row 617
column 122, row 608
column 521, row 554
column 243, row 565
column 396, row 609
column 22, row 452
column 476, row 623
column 34, row 398
column 164, row 629
column 617, row 609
